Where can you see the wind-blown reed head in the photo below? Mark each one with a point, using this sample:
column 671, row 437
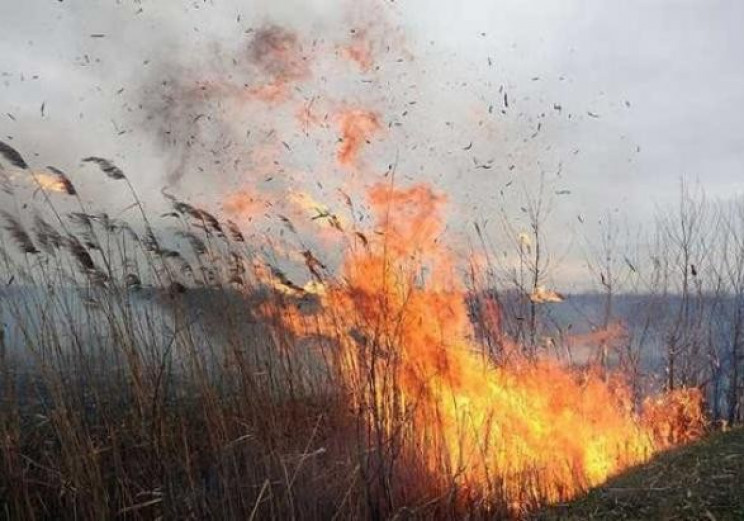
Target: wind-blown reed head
column 235, row 233
column 47, row 236
column 107, row 167
column 19, row 234
column 80, row 254
column 63, row 180
column 12, row 156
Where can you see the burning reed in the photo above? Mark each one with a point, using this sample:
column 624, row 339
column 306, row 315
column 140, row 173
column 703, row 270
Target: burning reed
column 170, row 386
column 525, row 431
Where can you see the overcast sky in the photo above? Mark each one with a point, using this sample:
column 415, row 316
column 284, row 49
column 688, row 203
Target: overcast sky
column 610, row 100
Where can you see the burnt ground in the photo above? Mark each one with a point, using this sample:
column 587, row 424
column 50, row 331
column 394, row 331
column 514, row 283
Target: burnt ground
column 704, row 480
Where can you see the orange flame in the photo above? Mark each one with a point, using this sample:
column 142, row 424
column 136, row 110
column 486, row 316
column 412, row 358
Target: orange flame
column 357, row 127
column 530, row 431
column 244, row 204
column 50, row 183
column 527, row 431
column 359, row 51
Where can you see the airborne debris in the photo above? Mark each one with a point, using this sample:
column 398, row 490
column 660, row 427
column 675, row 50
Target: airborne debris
column 287, row 223
column 313, row 264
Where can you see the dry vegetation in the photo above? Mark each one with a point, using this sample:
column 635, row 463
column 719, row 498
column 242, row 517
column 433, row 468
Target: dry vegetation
column 141, row 381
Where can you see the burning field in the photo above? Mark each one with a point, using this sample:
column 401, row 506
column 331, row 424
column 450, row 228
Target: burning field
column 302, row 336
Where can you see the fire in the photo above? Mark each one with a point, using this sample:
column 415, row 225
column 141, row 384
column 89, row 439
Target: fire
column 671, row 416
column 357, row 127
column 50, row 183
column 530, row 431
column 359, row 51
column 244, row 204
column 525, row 430
column 275, row 92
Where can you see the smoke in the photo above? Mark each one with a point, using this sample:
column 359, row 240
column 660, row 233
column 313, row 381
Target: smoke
column 230, row 103
column 243, row 120
column 277, row 53
column 199, row 112
column 274, row 112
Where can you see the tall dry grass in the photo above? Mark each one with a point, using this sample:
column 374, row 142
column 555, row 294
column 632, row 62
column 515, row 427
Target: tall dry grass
column 139, row 381
column 147, row 375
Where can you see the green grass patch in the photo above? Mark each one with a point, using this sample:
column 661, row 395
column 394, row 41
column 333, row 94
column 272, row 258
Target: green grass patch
column 703, row 480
